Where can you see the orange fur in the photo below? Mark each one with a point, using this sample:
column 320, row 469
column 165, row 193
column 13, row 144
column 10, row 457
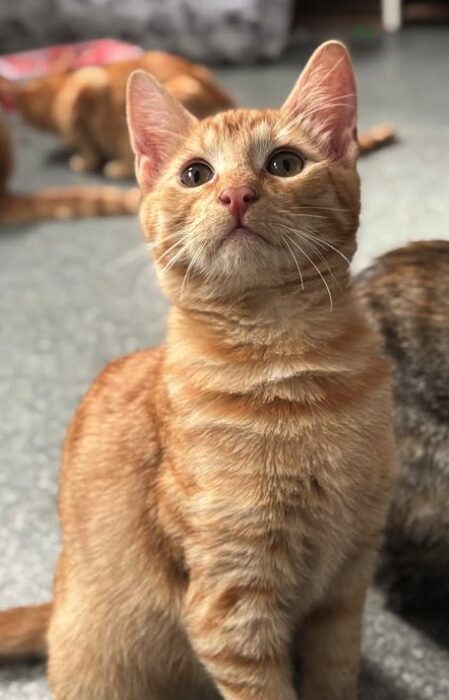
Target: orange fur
column 58, row 202
column 223, row 496
column 23, row 631
column 87, row 107
column 376, row 137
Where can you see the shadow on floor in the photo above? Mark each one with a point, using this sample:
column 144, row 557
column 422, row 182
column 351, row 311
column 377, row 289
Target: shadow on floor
column 14, row 674
column 432, row 621
column 375, row 685
column 58, row 156
column 420, row 600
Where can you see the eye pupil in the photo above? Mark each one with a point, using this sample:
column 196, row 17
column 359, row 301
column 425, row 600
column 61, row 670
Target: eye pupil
column 286, row 165
column 196, row 174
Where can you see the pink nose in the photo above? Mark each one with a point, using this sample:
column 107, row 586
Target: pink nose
column 238, row 199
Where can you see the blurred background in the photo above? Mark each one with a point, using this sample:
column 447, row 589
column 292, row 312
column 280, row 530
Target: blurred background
column 76, row 292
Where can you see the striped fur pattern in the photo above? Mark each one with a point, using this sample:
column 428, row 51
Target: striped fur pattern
column 223, row 496
column 406, row 295
column 74, row 202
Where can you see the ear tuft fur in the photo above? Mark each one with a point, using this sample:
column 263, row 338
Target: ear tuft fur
column 324, row 101
column 157, row 122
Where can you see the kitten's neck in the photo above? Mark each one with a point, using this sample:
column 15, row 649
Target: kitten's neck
column 272, row 322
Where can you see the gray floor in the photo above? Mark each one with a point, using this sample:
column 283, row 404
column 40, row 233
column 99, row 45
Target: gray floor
column 74, row 295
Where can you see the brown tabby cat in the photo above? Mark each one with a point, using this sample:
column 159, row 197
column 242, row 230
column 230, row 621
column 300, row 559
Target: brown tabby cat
column 57, row 202
column 406, row 296
column 223, row 496
column 87, row 107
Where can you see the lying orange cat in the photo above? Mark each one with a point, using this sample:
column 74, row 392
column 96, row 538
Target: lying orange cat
column 223, row 496
column 57, row 202
column 87, row 107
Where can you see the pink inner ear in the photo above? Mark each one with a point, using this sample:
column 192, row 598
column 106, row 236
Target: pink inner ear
column 324, row 102
column 149, row 158
column 157, row 123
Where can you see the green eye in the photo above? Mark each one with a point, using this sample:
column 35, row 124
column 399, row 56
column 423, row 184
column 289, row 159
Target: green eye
column 196, row 174
column 284, row 164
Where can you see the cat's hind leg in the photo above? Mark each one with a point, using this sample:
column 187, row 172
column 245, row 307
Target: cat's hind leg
column 113, row 648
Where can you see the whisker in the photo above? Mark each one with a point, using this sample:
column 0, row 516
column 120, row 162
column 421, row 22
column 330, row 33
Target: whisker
column 303, row 235
column 295, row 261
column 318, row 206
column 321, row 257
column 166, row 252
column 157, row 244
column 311, row 240
column 319, row 241
column 321, row 208
column 329, row 245
column 331, row 303
column 190, row 267
column 173, row 260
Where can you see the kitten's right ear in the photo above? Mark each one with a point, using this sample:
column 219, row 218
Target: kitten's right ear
column 324, row 101
column 157, row 123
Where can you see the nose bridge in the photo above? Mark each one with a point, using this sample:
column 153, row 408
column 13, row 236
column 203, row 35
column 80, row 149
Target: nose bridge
column 236, row 166
column 238, row 185
column 239, row 174
column 238, row 190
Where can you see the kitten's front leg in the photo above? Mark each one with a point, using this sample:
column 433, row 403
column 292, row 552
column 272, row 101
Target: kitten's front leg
column 121, row 167
column 117, row 170
column 240, row 636
column 329, row 638
column 84, row 163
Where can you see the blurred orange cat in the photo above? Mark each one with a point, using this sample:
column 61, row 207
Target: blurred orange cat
column 73, row 202
column 87, row 107
column 223, row 496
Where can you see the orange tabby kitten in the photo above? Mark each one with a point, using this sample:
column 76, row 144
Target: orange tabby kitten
column 87, row 107
column 223, row 496
column 57, row 202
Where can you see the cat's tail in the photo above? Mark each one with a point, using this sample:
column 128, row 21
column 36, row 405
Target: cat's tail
column 376, row 137
column 79, row 201
column 23, row 631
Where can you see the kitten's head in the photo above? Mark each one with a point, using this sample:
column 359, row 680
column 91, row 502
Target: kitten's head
column 248, row 199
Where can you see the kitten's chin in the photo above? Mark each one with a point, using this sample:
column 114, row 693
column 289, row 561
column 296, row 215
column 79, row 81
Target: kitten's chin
column 243, row 236
column 245, row 261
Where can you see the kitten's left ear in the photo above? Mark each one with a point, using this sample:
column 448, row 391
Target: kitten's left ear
column 157, row 123
column 324, row 100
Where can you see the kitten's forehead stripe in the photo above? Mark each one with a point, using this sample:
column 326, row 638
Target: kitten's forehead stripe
column 238, row 139
column 243, row 136
column 230, row 125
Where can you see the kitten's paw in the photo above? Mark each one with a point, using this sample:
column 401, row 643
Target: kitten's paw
column 116, row 170
column 79, row 164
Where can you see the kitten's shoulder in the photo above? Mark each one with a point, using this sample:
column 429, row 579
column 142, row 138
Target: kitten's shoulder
column 129, row 377
column 120, row 408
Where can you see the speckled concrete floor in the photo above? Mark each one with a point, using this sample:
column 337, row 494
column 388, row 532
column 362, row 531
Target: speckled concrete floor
column 74, row 295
